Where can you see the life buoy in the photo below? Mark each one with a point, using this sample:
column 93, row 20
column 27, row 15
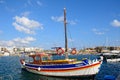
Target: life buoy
column 74, row 51
column 60, row 51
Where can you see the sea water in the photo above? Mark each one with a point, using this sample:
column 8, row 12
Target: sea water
column 10, row 69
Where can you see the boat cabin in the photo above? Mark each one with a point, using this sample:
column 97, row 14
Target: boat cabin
column 46, row 59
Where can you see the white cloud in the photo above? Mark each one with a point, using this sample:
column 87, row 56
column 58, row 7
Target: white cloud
column 39, row 3
column 115, row 23
column 0, row 31
column 23, row 24
column 23, row 29
column 61, row 19
column 32, row 3
column 18, row 42
column 25, row 14
column 10, row 9
column 26, row 40
column 70, row 40
column 117, row 40
column 72, row 22
column 2, row 1
column 94, row 29
column 98, row 32
column 57, row 19
column 29, row 3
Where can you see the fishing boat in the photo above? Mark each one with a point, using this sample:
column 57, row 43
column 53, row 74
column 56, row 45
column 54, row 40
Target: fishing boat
column 44, row 64
column 112, row 56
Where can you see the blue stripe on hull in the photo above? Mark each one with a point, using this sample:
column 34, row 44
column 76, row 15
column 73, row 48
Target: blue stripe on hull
column 55, row 66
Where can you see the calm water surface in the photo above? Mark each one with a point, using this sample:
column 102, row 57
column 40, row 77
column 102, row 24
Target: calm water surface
column 10, row 69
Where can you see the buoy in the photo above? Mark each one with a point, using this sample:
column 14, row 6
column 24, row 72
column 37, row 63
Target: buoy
column 60, row 51
column 109, row 77
column 74, row 51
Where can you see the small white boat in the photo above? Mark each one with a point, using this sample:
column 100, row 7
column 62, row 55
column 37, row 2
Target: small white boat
column 113, row 56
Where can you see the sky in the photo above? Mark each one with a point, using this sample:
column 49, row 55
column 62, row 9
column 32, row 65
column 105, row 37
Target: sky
column 39, row 23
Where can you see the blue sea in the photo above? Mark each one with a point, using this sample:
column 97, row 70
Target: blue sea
column 10, row 69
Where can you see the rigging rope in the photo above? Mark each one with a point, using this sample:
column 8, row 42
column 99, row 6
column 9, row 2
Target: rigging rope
column 70, row 38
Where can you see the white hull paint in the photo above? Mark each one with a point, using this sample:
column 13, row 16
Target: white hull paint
column 80, row 72
column 113, row 60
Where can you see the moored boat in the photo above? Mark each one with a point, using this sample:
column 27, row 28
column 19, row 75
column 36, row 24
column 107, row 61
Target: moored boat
column 113, row 56
column 44, row 64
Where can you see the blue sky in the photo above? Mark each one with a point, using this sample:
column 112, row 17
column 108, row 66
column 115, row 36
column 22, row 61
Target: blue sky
column 39, row 23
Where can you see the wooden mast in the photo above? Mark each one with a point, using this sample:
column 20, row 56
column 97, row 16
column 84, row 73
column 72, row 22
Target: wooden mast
column 65, row 28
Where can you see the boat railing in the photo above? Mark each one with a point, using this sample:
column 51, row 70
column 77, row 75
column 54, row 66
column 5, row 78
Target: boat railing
column 65, row 61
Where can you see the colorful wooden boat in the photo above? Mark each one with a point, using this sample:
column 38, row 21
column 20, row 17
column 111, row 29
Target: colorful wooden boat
column 44, row 64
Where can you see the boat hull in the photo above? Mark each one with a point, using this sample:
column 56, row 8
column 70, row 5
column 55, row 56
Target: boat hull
column 79, row 70
column 113, row 60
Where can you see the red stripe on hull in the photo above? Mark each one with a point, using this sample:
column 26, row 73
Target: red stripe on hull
column 64, row 70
